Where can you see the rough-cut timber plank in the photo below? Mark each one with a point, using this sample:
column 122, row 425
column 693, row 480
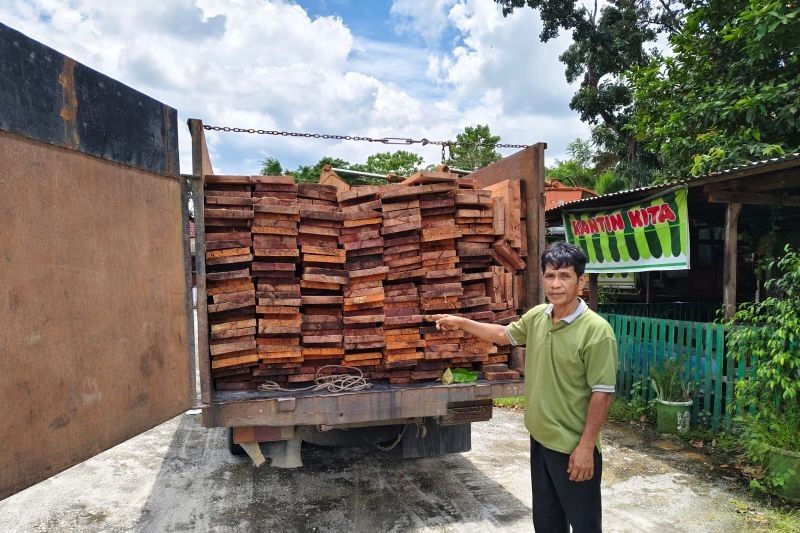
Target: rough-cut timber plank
column 217, row 179
column 508, row 374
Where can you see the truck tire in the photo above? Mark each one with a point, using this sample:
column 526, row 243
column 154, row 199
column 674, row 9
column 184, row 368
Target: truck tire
column 234, row 448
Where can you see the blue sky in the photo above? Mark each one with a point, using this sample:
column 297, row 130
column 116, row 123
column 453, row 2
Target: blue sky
column 399, row 68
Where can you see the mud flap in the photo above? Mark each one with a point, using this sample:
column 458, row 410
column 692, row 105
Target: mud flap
column 436, row 440
column 254, row 451
column 284, row 453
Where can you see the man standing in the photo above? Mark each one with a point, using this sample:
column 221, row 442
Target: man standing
column 570, row 374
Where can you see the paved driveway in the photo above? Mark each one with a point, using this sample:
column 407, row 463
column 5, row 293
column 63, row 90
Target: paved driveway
column 179, row 476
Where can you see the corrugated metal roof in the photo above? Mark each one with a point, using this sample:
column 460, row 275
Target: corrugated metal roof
column 691, row 181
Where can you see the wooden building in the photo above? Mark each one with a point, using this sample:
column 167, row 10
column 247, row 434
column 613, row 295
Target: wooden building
column 737, row 218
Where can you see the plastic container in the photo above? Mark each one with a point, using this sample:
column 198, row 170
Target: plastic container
column 785, row 463
column 673, row 417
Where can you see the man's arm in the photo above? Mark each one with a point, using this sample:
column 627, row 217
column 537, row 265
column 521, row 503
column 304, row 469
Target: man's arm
column 494, row 333
column 581, row 461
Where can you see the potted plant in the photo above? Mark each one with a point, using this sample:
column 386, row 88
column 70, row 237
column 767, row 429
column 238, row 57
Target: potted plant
column 673, row 396
column 766, row 336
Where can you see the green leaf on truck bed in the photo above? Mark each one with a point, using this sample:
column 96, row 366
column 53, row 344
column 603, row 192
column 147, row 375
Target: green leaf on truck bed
column 461, row 375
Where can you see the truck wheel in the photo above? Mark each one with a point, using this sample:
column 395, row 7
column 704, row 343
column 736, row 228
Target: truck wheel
column 234, row 448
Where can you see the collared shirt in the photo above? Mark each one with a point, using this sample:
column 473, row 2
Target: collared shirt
column 565, row 363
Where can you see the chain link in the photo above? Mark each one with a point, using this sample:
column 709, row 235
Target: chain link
column 328, row 136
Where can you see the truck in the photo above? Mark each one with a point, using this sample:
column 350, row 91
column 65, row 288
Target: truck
column 99, row 339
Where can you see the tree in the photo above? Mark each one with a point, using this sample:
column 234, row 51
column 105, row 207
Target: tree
column 605, row 45
column 271, row 167
column 474, row 148
column 400, row 162
column 730, row 91
column 582, row 170
column 576, row 171
column 310, row 173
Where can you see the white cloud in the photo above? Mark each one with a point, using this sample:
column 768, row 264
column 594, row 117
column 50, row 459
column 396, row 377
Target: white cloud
column 428, row 19
column 269, row 65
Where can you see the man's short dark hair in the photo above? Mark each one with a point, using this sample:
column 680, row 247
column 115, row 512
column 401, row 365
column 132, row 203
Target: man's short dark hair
column 562, row 255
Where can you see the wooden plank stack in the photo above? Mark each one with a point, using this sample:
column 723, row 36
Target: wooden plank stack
column 274, row 271
column 510, row 246
column 304, row 275
column 401, row 226
column 475, row 216
column 502, row 292
column 323, row 278
column 228, row 210
column 363, row 295
column 440, row 286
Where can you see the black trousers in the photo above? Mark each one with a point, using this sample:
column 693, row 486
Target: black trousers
column 559, row 503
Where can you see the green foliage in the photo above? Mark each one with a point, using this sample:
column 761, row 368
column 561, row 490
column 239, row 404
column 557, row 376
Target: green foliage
column 729, row 92
column 310, row 173
column 636, row 409
column 625, row 411
column 610, row 181
column 668, row 382
column 772, row 520
column 579, row 171
column 400, row 162
column 271, row 167
column 474, row 148
column 767, row 335
column 761, row 434
column 769, row 332
column 513, row 402
column 604, row 47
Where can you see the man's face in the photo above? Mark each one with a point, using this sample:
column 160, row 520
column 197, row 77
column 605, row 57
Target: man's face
column 562, row 285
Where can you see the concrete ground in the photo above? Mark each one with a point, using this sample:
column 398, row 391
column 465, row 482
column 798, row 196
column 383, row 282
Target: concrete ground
column 179, row 476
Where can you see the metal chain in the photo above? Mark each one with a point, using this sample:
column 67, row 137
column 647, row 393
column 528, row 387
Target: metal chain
column 382, row 140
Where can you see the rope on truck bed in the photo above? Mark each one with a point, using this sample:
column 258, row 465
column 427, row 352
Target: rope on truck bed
column 329, row 383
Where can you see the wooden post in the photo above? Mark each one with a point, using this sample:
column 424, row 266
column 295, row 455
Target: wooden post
column 594, row 291
column 729, row 268
column 201, row 165
column 534, row 212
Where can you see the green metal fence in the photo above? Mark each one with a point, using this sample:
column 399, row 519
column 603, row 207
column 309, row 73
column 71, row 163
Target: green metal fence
column 647, row 342
column 689, row 311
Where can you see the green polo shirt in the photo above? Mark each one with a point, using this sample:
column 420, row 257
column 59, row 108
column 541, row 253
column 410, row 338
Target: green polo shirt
column 564, row 363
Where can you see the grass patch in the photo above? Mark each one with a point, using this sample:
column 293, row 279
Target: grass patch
column 635, row 410
column 772, row 519
column 512, row 402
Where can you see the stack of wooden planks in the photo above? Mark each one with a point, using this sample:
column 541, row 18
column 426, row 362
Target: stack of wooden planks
column 363, row 295
column 401, row 237
column 503, row 294
column 509, row 250
column 228, row 209
column 275, row 257
column 440, row 286
column 304, row 275
column 322, row 279
column 475, row 217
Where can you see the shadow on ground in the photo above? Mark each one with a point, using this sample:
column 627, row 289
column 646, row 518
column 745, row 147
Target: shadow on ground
column 200, row 486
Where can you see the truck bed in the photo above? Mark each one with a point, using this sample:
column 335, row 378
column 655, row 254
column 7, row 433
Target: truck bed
column 383, row 401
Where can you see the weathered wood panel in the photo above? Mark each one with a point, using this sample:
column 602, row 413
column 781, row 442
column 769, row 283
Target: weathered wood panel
column 94, row 333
